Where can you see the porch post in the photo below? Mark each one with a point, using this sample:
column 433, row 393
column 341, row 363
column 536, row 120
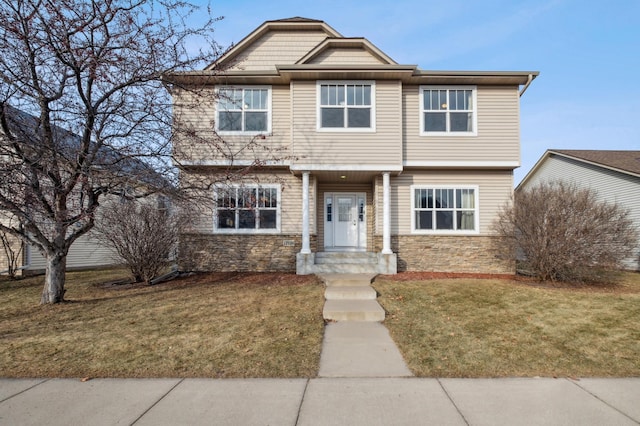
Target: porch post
column 386, row 214
column 306, row 249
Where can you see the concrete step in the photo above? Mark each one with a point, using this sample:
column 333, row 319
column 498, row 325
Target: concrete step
column 353, row 310
column 330, row 258
column 360, row 292
column 347, row 280
column 345, row 268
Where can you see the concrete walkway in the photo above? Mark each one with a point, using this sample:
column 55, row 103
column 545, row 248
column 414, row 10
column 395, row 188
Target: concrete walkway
column 355, row 342
column 321, row 401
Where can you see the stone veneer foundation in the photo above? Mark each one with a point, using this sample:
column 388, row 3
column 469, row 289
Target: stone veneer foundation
column 270, row 253
column 440, row 253
column 238, row 252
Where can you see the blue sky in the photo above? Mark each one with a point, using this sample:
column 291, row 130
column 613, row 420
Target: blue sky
column 587, row 52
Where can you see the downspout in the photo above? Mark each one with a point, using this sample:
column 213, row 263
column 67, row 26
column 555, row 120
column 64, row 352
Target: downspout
column 526, row 86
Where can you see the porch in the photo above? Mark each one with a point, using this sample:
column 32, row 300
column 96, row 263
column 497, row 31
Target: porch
column 344, row 221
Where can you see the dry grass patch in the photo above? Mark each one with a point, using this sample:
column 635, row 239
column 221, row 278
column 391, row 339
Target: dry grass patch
column 495, row 328
column 217, row 325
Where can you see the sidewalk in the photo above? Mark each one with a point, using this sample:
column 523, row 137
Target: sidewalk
column 321, row 401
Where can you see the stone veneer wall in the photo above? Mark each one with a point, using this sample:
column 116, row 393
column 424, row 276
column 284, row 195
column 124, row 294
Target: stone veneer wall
column 239, row 252
column 439, row 253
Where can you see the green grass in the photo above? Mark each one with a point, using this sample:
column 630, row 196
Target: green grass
column 219, row 325
column 497, row 328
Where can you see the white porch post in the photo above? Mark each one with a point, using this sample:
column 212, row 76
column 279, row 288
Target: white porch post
column 306, row 249
column 386, row 214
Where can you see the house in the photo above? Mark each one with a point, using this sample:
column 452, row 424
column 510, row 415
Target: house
column 386, row 167
column 86, row 251
column 613, row 175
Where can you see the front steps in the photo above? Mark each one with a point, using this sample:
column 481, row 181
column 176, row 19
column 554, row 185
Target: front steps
column 350, row 297
column 346, row 263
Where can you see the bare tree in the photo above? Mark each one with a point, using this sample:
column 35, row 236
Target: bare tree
column 561, row 232
column 143, row 233
column 83, row 110
column 12, row 248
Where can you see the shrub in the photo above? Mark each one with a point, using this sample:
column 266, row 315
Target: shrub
column 558, row 231
column 141, row 234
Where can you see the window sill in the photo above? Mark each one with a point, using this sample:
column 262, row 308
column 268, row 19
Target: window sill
column 246, row 231
column 449, row 134
column 445, row 233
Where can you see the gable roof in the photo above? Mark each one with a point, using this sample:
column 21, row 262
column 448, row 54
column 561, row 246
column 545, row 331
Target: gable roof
column 280, row 24
column 359, row 42
column 308, row 61
column 625, row 162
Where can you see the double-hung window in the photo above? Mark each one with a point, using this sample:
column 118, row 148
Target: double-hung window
column 247, row 209
column 444, row 209
column 244, row 110
column 346, row 106
column 448, row 110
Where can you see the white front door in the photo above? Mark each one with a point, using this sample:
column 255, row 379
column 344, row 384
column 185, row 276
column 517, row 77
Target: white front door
column 344, row 221
column 345, row 229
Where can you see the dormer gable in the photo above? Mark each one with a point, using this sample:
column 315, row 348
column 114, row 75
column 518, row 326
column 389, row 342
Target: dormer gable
column 341, row 51
column 282, row 41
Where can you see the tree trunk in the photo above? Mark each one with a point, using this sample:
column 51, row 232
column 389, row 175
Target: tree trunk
column 53, row 291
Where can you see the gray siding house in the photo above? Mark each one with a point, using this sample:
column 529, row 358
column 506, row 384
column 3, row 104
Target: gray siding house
column 614, row 175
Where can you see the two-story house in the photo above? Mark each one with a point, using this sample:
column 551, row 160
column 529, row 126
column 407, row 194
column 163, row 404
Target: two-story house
column 382, row 166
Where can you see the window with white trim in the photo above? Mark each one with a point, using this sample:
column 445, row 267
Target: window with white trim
column 448, row 110
column 249, row 209
column 444, row 209
column 346, row 105
column 244, row 110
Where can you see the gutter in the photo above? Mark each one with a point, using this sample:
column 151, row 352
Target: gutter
column 526, row 86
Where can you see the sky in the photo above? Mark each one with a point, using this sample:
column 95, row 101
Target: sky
column 587, row 95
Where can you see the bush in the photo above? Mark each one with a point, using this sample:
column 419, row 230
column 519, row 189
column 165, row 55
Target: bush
column 558, row 231
column 142, row 235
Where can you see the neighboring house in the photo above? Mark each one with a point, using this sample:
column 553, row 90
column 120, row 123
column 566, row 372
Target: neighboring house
column 614, row 175
column 384, row 164
column 86, row 252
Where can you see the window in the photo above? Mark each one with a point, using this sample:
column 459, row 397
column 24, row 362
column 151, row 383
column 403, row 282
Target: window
column 244, row 110
column 445, row 209
column 346, row 106
column 448, row 110
column 247, row 209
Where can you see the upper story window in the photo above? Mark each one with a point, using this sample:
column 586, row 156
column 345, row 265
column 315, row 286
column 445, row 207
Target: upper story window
column 444, row 209
column 247, row 209
column 346, row 106
column 448, row 110
column 244, row 110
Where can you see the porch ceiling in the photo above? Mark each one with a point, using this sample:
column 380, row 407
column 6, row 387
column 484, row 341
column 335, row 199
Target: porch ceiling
column 345, row 176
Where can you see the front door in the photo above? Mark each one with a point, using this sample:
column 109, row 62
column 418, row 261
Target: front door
column 345, row 222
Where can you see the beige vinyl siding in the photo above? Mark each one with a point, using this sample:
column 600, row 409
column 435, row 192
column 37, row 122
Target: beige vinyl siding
column 342, row 56
column 277, row 47
column 611, row 186
column 290, row 201
column 85, row 252
column 349, row 188
column 494, row 190
column 498, row 133
column 198, row 113
column 382, row 147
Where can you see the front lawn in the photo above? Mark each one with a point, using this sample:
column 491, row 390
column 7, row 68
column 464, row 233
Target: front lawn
column 218, row 325
column 497, row 328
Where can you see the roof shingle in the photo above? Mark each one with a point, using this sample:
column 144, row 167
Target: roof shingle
column 622, row 160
